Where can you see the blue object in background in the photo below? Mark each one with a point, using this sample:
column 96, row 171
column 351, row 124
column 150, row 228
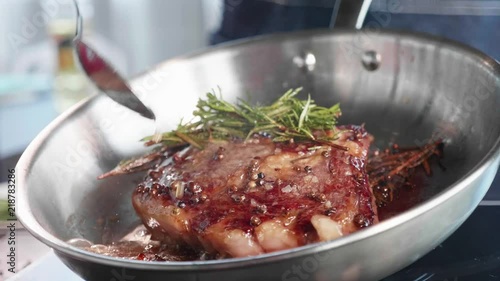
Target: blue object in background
column 250, row 18
column 26, row 107
column 480, row 32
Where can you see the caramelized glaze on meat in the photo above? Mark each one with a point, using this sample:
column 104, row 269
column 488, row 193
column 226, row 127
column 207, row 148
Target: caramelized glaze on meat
column 236, row 198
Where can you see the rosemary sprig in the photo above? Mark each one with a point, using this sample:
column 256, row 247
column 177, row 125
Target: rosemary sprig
column 288, row 118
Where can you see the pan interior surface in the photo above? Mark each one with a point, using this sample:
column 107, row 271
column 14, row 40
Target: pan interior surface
column 422, row 88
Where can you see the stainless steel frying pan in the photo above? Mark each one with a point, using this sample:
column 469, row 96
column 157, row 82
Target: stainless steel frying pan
column 405, row 87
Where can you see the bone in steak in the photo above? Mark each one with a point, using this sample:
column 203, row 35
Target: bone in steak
column 243, row 198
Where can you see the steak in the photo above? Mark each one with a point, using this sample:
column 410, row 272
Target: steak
column 242, row 198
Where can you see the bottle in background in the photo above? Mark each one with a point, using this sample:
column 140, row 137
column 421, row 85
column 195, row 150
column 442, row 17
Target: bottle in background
column 70, row 83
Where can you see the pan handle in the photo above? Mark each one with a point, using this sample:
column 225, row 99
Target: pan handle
column 349, row 13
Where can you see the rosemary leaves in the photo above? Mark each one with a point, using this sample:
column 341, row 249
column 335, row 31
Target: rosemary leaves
column 287, row 119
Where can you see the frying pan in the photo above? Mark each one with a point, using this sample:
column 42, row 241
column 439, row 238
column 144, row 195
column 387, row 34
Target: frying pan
column 406, row 88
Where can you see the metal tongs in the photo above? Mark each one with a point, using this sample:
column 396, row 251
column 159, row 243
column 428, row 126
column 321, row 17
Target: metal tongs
column 105, row 77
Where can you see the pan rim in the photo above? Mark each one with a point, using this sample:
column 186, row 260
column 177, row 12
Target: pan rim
column 27, row 218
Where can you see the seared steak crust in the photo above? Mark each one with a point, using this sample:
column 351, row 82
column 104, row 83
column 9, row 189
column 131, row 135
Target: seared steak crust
column 241, row 198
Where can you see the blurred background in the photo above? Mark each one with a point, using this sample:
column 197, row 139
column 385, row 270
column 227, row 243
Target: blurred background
column 39, row 79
